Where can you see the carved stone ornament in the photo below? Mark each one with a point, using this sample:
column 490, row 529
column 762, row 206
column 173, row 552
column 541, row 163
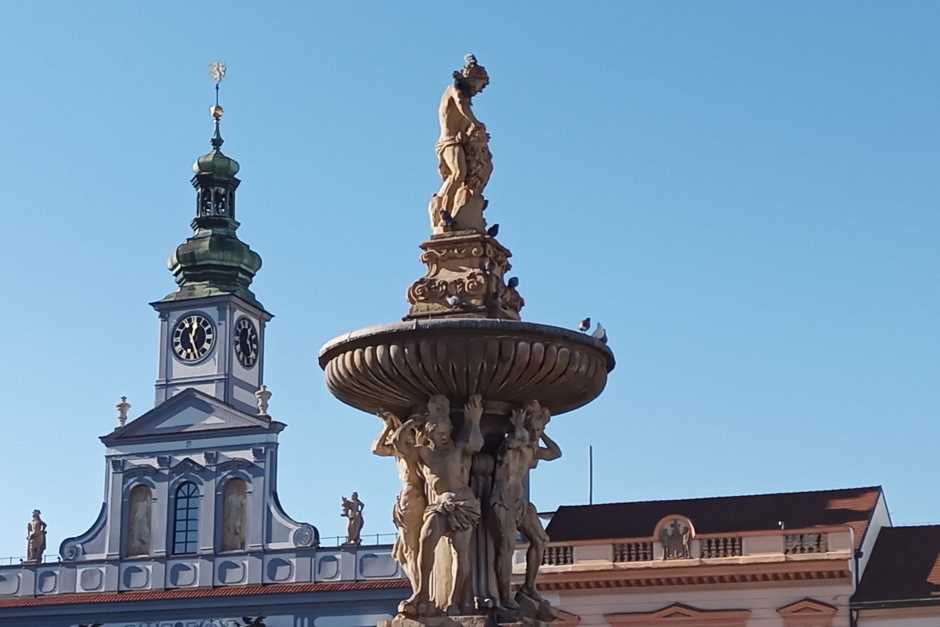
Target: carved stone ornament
column 305, row 536
column 464, row 278
column 676, row 538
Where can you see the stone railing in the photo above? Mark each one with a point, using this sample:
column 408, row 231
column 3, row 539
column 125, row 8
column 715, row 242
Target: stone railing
column 703, row 549
column 802, row 543
column 558, row 555
column 721, row 546
column 637, row 551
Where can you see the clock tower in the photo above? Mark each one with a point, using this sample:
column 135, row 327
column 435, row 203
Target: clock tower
column 212, row 326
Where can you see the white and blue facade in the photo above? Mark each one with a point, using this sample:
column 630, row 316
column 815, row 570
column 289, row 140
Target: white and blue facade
column 191, row 530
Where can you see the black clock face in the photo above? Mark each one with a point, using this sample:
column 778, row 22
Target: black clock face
column 246, row 342
column 193, row 337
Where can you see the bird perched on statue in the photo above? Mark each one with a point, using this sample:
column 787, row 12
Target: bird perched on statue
column 453, row 300
column 584, row 325
column 600, row 333
column 513, row 282
column 493, row 231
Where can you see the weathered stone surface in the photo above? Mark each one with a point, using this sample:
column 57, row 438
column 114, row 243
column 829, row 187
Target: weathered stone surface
column 397, row 367
column 465, row 278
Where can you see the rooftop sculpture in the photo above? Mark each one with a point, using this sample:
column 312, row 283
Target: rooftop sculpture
column 464, row 390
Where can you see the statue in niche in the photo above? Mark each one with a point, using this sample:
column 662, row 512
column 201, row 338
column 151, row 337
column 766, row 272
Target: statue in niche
column 463, row 153
column 453, row 510
column 352, row 510
column 511, row 510
column 676, row 539
column 35, row 538
column 400, row 441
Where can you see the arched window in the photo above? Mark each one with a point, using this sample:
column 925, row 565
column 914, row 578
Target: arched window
column 186, row 523
column 138, row 521
column 234, row 514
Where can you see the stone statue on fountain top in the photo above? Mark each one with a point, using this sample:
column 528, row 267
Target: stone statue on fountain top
column 463, row 154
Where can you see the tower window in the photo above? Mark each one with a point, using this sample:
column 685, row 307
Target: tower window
column 186, row 524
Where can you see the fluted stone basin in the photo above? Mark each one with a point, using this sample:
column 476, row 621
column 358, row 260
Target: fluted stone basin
column 399, row 366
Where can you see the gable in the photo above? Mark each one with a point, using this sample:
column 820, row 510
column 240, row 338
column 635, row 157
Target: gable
column 191, row 414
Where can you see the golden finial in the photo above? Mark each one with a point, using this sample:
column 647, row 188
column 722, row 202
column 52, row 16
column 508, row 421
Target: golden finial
column 217, row 71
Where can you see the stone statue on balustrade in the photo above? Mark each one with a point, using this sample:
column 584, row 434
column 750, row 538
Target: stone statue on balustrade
column 35, row 538
column 352, row 510
column 399, row 440
column 463, row 154
column 511, row 510
column 453, row 511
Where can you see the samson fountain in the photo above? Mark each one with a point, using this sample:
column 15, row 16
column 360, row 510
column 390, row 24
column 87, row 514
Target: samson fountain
column 464, row 390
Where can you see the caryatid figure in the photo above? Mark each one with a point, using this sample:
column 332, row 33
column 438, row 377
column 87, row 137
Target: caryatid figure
column 520, row 452
column 463, row 153
column 35, row 538
column 453, row 510
column 399, row 441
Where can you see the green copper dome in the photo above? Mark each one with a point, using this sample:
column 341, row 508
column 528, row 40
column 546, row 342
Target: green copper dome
column 216, row 164
column 214, row 261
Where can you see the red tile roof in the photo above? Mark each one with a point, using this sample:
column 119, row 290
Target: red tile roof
column 904, row 566
column 203, row 593
column 723, row 514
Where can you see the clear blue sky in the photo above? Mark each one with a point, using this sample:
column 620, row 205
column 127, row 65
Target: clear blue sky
column 744, row 193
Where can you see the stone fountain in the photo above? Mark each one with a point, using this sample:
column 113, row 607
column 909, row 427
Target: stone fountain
column 464, row 390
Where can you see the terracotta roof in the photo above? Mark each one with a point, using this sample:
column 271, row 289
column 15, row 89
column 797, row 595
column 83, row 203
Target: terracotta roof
column 904, row 566
column 721, row 514
column 203, row 593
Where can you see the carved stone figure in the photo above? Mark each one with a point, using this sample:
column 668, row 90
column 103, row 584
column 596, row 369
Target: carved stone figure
column 676, row 539
column 453, row 510
column 400, row 441
column 35, row 538
column 463, row 153
column 352, row 510
column 511, row 510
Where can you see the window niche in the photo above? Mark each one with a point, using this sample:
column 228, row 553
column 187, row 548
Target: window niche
column 138, row 521
column 234, row 514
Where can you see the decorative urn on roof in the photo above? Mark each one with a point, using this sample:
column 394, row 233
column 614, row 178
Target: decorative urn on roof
column 464, row 390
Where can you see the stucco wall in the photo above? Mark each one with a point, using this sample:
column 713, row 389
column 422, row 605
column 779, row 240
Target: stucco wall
column 763, row 602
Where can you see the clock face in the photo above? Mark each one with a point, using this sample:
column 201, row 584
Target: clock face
column 246, row 342
column 193, row 337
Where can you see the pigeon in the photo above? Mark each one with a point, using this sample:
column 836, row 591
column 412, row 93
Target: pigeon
column 513, row 282
column 600, row 333
column 493, row 231
column 453, row 301
column 584, row 325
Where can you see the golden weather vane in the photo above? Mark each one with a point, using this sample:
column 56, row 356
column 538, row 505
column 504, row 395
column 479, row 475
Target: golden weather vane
column 217, row 72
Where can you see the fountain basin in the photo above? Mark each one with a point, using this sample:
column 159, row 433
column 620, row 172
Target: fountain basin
column 398, row 366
